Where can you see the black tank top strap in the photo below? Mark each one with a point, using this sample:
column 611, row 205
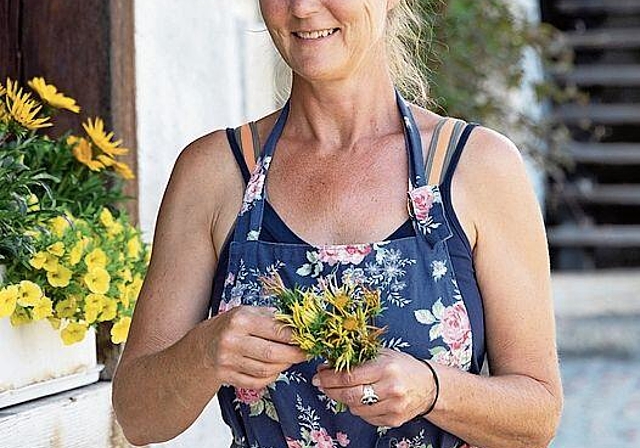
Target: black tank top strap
column 454, row 151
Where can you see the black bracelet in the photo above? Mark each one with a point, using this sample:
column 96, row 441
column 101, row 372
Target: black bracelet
column 437, row 383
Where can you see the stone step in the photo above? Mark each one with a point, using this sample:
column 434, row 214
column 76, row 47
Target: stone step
column 608, row 236
column 598, row 312
column 611, row 7
column 605, row 153
column 604, row 39
column 620, row 194
column 614, row 75
column 606, row 114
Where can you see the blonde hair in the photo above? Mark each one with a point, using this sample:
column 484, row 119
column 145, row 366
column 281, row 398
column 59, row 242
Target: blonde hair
column 408, row 40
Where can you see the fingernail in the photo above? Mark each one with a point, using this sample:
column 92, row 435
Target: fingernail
column 315, row 381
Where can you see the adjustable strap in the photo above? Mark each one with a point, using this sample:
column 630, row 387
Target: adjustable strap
column 248, row 139
column 443, row 146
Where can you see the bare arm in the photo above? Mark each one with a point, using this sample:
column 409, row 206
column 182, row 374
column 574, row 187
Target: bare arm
column 520, row 404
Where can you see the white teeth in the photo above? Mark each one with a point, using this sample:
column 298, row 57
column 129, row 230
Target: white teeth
column 314, row 34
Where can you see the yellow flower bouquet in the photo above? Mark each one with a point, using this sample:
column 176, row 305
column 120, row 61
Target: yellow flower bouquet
column 330, row 321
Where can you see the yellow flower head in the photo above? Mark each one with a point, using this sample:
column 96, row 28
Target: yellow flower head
column 50, row 95
column 133, row 247
column 96, row 259
column 125, row 293
column 4, row 113
column 95, row 131
column 93, row 305
column 73, row 332
column 109, row 310
column 120, row 330
column 67, row 307
column 20, row 316
column 106, row 160
column 115, row 229
column 56, row 249
column 44, row 260
column 29, row 293
column 83, row 153
column 97, row 280
column 8, row 300
column 2, row 90
column 55, row 322
column 123, row 170
column 75, row 254
column 43, row 308
column 59, row 278
column 59, row 225
column 23, row 109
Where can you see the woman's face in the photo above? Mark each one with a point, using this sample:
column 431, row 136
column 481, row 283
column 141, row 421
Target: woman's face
column 327, row 39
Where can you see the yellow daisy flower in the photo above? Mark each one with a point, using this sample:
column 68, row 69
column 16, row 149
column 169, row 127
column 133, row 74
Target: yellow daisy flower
column 84, row 154
column 96, row 259
column 123, row 170
column 97, row 280
column 23, row 109
column 2, row 90
column 20, row 316
column 29, row 293
column 120, row 330
column 95, row 131
column 59, row 278
column 73, row 332
column 106, row 160
column 50, row 95
column 56, row 249
column 4, row 113
column 67, row 307
column 8, row 300
column 43, row 308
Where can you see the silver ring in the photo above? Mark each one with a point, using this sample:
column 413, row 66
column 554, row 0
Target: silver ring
column 369, row 396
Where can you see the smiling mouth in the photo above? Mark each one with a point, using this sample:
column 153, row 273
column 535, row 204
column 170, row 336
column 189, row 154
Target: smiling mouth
column 313, row 35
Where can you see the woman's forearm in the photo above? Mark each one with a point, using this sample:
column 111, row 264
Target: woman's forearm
column 157, row 396
column 509, row 411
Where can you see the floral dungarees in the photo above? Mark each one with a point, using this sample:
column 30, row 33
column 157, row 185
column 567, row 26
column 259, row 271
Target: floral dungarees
column 425, row 314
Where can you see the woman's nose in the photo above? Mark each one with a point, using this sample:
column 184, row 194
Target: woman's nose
column 305, row 8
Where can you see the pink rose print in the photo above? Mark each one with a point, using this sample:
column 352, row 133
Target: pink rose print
column 293, row 443
column 456, row 328
column 342, row 439
column 422, row 199
column 403, row 444
column 321, row 438
column 353, row 254
column 249, row 396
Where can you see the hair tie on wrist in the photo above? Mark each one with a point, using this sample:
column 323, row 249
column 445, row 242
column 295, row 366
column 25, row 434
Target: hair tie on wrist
column 437, row 383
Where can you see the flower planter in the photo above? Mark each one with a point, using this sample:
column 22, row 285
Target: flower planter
column 34, row 362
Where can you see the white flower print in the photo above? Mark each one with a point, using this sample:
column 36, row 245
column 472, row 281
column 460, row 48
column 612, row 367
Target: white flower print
column 439, row 269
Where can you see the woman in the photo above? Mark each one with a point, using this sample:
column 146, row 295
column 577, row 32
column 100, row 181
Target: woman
column 466, row 273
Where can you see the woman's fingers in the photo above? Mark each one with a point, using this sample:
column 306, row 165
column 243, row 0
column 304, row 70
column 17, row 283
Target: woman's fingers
column 270, row 352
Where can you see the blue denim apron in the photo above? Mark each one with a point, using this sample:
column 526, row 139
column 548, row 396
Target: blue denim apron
column 425, row 314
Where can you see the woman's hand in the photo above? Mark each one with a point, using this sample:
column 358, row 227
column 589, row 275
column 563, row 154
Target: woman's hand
column 247, row 348
column 404, row 385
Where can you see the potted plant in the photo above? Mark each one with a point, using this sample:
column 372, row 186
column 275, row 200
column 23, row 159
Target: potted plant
column 70, row 259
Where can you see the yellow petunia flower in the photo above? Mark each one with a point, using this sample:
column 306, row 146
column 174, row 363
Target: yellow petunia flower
column 133, row 247
column 73, row 332
column 59, row 225
column 84, row 154
column 50, row 95
column 125, row 293
column 23, row 109
column 95, row 131
column 67, row 307
column 109, row 310
column 75, row 254
column 59, row 278
column 136, row 286
column 29, row 293
column 96, row 259
column 97, row 280
column 43, row 308
column 106, row 218
column 56, row 249
column 93, row 305
column 115, row 229
column 120, row 330
column 44, row 260
column 8, row 300
column 20, row 316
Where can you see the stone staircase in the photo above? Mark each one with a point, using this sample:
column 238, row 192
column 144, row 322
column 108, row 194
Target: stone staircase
column 594, row 215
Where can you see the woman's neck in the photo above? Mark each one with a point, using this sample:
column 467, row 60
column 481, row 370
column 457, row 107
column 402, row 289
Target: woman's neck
column 337, row 114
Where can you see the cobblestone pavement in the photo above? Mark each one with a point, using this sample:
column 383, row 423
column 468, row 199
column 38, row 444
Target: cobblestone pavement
column 602, row 403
